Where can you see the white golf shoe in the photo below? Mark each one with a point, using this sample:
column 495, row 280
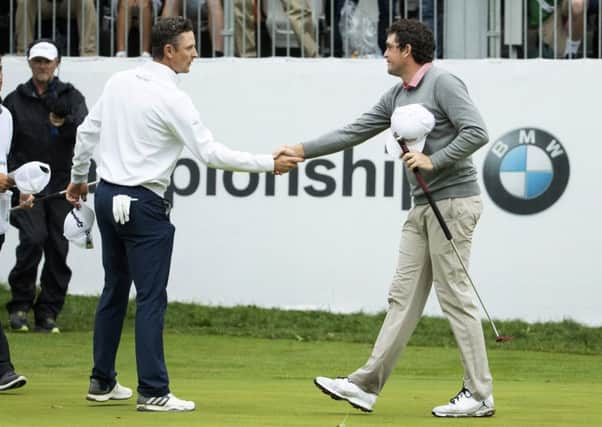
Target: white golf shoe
column 464, row 405
column 98, row 393
column 343, row 389
column 167, row 403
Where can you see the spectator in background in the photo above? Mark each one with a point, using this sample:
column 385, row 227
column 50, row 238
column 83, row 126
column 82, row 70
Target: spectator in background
column 27, row 13
column 215, row 20
column 385, row 17
column 562, row 36
column 300, row 17
column 9, row 379
column 145, row 10
column 46, row 113
column 422, row 10
column 245, row 22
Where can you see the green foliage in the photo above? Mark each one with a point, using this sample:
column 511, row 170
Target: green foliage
column 251, row 321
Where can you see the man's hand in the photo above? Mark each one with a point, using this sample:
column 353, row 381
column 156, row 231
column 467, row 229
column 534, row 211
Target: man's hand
column 297, row 150
column 6, row 182
column 417, row 160
column 26, row 201
column 75, row 192
column 55, row 120
column 285, row 159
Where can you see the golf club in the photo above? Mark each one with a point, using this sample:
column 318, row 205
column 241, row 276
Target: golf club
column 50, row 196
column 449, row 237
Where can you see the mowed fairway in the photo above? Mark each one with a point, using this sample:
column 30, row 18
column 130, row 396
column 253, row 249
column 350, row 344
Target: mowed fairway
column 258, row 382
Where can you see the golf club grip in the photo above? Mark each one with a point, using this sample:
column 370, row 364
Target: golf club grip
column 427, row 193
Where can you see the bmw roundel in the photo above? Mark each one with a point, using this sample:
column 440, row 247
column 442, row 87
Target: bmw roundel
column 526, row 171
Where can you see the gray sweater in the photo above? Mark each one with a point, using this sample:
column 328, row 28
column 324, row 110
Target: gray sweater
column 459, row 131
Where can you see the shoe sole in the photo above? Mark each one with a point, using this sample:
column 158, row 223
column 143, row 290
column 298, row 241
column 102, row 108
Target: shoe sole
column 23, row 328
column 16, row 383
column 336, row 396
column 154, row 408
column 104, row 398
column 477, row 414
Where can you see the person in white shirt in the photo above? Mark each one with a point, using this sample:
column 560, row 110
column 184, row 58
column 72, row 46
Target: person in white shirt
column 140, row 125
column 9, row 379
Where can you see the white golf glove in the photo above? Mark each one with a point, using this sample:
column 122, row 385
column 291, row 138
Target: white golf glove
column 121, row 208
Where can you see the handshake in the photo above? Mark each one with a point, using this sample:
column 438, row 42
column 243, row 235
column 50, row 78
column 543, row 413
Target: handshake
column 286, row 158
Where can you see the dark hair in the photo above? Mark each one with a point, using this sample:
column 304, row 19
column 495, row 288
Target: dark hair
column 166, row 31
column 417, row 35
column 52, row 42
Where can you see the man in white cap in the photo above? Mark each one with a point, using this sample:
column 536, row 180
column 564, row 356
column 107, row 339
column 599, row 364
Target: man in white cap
column 140, row 125
column 46, row 113
column 9, row 379
column 425, row 255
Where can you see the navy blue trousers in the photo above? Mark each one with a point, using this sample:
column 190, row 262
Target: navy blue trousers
column 138, row 251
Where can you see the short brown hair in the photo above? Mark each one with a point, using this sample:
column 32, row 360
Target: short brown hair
column 417, row 35
column 166, row 31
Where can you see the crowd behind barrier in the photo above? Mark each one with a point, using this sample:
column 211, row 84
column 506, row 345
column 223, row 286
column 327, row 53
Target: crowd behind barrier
column 308, row 28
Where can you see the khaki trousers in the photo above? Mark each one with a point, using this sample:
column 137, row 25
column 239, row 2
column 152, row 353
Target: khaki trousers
column 299, row 13
column 426, row 257
column 27, row 14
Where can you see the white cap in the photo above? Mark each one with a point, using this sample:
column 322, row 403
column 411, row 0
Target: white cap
column 413, row 123
column 43, row 50
column 78, row 226
column 31, row 177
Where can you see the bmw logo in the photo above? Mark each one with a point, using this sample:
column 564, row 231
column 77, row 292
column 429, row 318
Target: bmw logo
column 526, row 171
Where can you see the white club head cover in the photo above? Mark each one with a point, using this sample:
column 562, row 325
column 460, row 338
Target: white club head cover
column 78, row 226
column 121, row 208
column 413, row 123
column 31, row 177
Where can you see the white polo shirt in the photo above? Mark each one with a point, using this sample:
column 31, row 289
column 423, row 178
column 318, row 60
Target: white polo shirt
column 141, row 123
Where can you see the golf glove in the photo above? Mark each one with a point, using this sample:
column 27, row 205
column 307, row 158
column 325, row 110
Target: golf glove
column 121, row 208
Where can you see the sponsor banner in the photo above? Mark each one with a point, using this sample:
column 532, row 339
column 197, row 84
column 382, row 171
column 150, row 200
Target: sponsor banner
column 326, row 236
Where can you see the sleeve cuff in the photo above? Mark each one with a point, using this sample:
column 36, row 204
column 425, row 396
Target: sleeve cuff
column 267, row 161
column 79, row 179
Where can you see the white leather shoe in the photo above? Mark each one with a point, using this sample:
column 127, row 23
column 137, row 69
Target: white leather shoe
column 166, row 403
column 97, row 394
column 343, row 389
column 464, row 405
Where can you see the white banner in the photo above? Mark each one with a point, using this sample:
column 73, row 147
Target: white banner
column 327, row 237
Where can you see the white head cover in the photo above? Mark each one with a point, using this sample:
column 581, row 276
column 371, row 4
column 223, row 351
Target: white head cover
column 413, row 123
column 78, row 226
column 43, row 50
column 31, row 177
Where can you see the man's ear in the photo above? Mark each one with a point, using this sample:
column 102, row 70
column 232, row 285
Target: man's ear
column 168, row 51
column 407, row 50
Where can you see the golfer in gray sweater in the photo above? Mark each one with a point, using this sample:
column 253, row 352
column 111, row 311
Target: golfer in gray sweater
column 426, row 258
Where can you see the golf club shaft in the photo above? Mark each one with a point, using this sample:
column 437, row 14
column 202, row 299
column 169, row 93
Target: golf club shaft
column 474, row 287
column 49, row 196
column 448, row 235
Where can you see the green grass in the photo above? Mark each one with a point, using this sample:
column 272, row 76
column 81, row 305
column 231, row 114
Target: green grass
column 238, row 381
column 250, row 321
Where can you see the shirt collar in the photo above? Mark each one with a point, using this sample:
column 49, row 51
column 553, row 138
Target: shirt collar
column 160, row 71
column 413, row 84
